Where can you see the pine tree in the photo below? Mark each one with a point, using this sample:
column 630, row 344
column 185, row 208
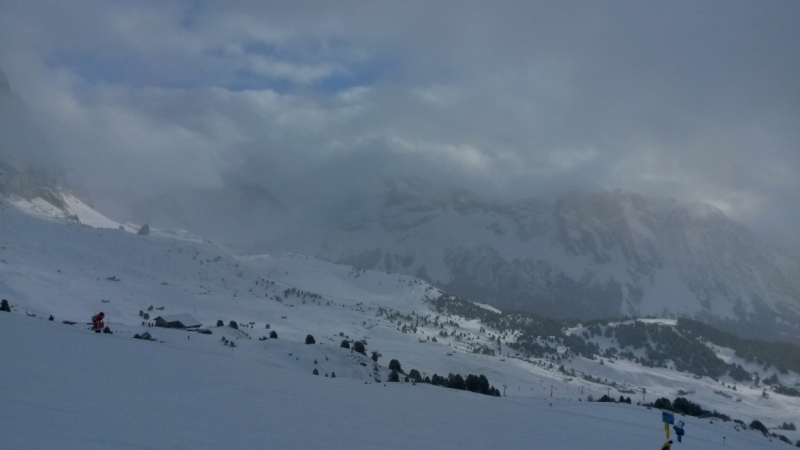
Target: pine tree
column 757, row 425
column 395, row 365
column 359, row 347
column 456, row 382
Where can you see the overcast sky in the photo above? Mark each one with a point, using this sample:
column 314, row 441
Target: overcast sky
column 696, row 100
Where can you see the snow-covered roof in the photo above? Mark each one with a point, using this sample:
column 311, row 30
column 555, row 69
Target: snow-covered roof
column 185, row 319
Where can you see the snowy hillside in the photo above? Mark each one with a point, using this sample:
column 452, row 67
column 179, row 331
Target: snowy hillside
column 586, row 256
column 69, row 208
column 71, row 271
column 110, row 391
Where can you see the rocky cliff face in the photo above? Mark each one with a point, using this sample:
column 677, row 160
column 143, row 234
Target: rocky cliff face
column 585, row 256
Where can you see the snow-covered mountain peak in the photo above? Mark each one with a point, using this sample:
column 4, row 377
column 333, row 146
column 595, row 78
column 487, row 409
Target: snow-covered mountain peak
column 587, row 255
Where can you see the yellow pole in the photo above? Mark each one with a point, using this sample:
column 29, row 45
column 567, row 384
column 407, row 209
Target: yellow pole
column 666, row 428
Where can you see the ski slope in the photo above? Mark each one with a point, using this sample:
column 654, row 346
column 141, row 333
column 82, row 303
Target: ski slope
column 192, row 390
column 64, row 387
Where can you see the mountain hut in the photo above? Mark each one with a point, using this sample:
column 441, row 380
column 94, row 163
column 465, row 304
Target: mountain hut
column 184, row 321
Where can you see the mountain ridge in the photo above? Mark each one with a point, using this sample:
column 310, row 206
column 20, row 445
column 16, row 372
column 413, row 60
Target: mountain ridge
column 586, row 256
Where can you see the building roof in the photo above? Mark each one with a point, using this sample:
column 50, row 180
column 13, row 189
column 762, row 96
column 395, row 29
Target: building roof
column 185, row 319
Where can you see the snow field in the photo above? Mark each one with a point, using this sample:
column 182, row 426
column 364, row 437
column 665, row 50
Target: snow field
column 63, row 269
column 64, row 387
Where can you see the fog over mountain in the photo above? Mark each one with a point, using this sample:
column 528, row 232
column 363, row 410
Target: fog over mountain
column 573, row 159
column 587, row 255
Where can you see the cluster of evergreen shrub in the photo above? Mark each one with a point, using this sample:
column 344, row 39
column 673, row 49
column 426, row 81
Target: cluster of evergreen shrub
column 413, row 320
column 757, row 425
column 529, row 326
column 786, row 390
column 452, row 305
column 683, row 345
column 688, row 408
column 473, row 383
column 784, row 438
column 483, row 350
column 663, row 344
column 783, row 355
column 300, row 294
column 606, row 398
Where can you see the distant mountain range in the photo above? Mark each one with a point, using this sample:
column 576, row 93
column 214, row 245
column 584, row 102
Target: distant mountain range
column 585, row 256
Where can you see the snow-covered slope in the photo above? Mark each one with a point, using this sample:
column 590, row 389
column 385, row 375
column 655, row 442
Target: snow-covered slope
column 71, row 271
column 70, row 208
column 65, row 388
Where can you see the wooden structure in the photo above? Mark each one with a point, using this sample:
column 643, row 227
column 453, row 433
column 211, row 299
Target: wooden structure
column 183, row 321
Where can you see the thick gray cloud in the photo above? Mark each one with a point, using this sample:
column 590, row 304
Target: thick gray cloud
column 694, row 100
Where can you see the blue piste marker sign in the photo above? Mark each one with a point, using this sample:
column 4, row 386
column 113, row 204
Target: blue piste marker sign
column 668, row 419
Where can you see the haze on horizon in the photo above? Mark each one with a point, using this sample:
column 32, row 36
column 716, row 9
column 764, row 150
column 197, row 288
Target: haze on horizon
column 697, row 101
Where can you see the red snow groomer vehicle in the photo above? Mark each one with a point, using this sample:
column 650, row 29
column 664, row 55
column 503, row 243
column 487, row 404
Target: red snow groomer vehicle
column 97, row 322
